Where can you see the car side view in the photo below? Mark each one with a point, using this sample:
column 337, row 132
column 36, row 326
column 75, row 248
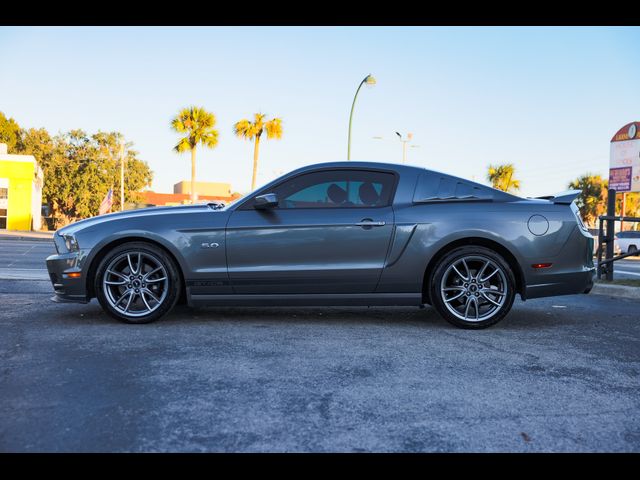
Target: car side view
column 342, row 233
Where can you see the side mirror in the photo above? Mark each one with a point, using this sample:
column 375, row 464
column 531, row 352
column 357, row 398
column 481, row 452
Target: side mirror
column 268, row 200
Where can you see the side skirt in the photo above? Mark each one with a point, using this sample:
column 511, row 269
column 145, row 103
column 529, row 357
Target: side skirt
column 321, row 299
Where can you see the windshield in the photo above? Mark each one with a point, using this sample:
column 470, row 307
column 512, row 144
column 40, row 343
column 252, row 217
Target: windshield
column 246, row 196
column 235, row 202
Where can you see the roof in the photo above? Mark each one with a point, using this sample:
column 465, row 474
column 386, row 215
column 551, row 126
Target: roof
column 12, row 157
column 361, row 164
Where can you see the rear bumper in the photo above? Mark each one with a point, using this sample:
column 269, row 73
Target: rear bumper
column 572, row 270
column 66, row 288
column 563, row 284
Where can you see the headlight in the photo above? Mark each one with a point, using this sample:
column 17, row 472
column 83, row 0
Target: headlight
column 66, row 243
column 71, row 243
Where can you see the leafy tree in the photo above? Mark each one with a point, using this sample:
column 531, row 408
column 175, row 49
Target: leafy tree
column 592, row 202
column 631, row 207
column 137, row 174
column 9, row 132
column 502, row 177
column 198, row 124
column 253, row 131
column 78, row 171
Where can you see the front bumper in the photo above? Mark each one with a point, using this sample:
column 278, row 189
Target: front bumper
column 67, row 288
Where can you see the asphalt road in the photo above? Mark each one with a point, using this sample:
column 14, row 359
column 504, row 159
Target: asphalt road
column 629, row 269
column 560, row 374
column 24, row 258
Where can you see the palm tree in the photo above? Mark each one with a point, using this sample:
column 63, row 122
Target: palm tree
column 253, row 130
column 501, row 177
column 198, row 124
column 592, row 202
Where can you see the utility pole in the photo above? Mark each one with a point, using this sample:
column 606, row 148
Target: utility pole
column 122, row 176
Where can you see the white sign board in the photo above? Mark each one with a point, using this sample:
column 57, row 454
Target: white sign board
column 624, row 163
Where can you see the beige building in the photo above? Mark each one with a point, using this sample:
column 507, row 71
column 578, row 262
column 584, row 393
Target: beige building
column 214, row 189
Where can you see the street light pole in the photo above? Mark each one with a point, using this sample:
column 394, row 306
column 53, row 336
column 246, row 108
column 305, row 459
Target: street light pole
column 404, row 145
column 369, row 80
column 122, row 176
column 404, row 151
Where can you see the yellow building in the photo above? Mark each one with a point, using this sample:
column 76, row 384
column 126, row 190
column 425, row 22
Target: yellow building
column 212, row 189
column 20, row 191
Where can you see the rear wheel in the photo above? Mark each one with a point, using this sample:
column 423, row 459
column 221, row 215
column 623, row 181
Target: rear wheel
column 472, row 287
column 137, row 282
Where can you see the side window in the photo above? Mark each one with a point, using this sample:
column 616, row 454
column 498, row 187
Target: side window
column 336, row 189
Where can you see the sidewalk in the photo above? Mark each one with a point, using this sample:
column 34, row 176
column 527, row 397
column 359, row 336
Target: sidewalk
column 615, row 290
column 20, row 235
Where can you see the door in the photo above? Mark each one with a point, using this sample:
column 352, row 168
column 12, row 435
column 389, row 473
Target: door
column 329, row 234
column 4, row 202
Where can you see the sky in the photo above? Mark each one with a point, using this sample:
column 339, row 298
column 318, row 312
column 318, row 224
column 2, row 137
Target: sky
column 547, row 99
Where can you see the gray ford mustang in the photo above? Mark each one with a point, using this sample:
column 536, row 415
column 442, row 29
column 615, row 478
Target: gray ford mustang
column 344, row 233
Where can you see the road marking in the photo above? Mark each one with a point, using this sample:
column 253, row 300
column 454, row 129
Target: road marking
column 626, row 272
column 23, row 254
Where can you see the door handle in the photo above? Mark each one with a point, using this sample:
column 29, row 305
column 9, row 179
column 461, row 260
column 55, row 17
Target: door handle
column 367, row 222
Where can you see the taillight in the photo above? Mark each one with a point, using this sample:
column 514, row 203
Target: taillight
column 576, row 213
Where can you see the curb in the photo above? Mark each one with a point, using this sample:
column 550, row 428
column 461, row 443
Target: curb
column 25, row 237
column 620, row 291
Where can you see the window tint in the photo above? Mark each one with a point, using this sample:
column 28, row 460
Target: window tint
column 336, row 189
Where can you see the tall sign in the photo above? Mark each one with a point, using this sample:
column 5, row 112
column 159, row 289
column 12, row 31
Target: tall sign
column 624, row 161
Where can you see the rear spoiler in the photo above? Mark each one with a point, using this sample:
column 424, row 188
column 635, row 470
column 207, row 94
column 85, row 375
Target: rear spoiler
column 563, row 198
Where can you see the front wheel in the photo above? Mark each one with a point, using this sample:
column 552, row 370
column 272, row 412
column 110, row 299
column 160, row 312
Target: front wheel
column 472, row 287
column 137, row 282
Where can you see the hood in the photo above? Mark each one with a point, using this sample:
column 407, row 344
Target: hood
column 89, row 222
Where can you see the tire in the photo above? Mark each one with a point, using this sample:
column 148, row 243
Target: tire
column 632, row 248
column 472, row 304
column 135, row 294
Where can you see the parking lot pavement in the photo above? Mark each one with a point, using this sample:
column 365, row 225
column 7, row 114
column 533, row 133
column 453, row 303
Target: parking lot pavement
column 559, row 374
